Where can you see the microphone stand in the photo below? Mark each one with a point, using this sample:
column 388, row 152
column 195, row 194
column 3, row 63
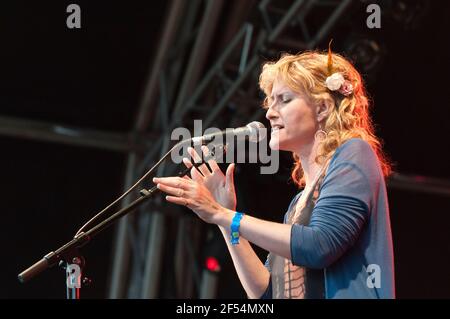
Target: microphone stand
column 68, row 256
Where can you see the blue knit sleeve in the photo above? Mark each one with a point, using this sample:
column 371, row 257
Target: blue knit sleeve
column 342, row 209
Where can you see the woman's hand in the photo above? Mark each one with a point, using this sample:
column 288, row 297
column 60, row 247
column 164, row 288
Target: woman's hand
column 206, row 193
column 221, row 186
column 186, row 192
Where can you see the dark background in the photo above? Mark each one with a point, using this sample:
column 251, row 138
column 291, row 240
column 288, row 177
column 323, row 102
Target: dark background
column 94, row 77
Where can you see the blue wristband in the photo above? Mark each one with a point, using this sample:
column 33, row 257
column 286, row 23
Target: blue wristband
column 235, row 228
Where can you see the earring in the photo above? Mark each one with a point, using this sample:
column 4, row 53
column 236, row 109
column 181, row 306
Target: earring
column 320, row 134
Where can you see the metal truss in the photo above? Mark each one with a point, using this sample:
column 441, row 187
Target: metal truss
column 212, row 98
column 146, row 262
column 57, row 133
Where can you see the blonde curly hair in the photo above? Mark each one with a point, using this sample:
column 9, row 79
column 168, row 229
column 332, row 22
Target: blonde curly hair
column 306, row 73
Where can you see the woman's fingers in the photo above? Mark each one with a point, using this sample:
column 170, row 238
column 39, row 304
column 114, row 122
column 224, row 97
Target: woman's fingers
column 196, row 176
column 176, row 182
column 197, row 159
column 179, row 192
column 177, row 200
column 230, row 175
column 212, row 163
column 187, row 162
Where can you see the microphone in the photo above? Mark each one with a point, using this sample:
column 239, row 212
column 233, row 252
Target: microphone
column 254, row 131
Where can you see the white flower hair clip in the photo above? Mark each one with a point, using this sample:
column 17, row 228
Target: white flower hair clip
column 337, row 82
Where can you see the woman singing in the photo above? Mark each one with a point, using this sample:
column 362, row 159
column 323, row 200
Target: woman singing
column 335, row 240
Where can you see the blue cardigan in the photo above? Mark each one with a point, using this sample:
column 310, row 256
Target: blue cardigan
column 349, row 235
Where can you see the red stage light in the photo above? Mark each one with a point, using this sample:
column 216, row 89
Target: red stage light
column 212, row 264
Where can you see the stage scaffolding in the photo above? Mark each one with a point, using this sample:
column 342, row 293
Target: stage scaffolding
column 205, row 67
